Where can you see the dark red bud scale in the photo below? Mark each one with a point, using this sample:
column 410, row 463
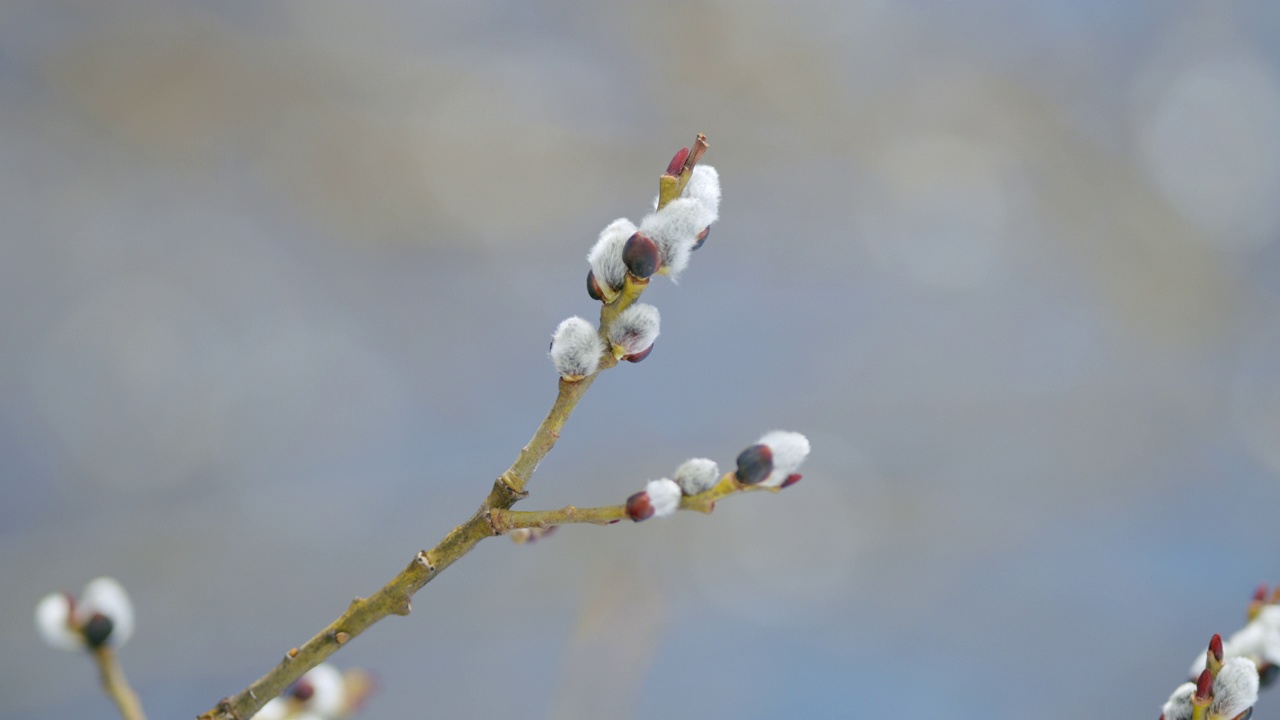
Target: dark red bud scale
column 637, row 357
column 792, row 479
column 1215, row 646
column 702, row 237
column 1260, row 592
column 593, row 287
column 754, row 464
column 638, row 507
column 97, row 630
column 641, row 256
column 677, row 163
column 1204, row 685
column 303, row 690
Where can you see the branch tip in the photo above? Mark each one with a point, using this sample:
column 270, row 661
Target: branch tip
column 695, row 153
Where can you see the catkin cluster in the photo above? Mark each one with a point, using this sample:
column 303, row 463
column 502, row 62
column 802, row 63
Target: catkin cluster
column 629, row 255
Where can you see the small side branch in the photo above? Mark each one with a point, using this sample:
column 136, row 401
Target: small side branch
column 503, row 521
column 115, row 684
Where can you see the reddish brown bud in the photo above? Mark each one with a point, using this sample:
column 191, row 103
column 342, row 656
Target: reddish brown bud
column 677, row 163
column 303, row 690
column 1204, row 686
column 1260, row 592
column 1215, row 647
column 637, row 357
column 641, row 256
column 97, row 630
column 754, row 464
column 792, row 479
column 702, row 237
column 638, row 507
column 593, row 287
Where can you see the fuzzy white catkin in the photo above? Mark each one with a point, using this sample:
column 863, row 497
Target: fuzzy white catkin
column 704, row 186
column 635, row 328
column 674, row 229
column 1178, row 707
column 330, row 693
column 52, row 614
column 59, row 620
column 576, row 348
column 277, row 708
column 107, row 596
column 664, row 497
column 1235, row 689
column 606, row 255
column 789, row 451
column 697, row 475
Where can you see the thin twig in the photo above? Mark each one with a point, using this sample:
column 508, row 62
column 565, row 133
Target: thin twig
column 115, row 684
column 504, row 521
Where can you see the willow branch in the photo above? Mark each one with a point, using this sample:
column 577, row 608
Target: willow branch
column 115, row 684
column 506, row 520
column 394, row 598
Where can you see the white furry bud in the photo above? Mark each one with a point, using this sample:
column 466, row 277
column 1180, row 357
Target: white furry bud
column 704, row 186
column 634, row 330
column 62, row 621
column 675, row 230
column 606, row 255
column 1178, row 707
column 328, row 690
column 277, row 708
column 697, row 475
column 664, row 497
column 1235, row 689
column 789, row 449
column 576, row 348
column 54, row 622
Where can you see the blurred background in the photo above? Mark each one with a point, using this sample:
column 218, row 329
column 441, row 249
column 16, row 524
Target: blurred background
column 277, row 281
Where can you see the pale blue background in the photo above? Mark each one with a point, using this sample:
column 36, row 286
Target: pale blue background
column 276, row 283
